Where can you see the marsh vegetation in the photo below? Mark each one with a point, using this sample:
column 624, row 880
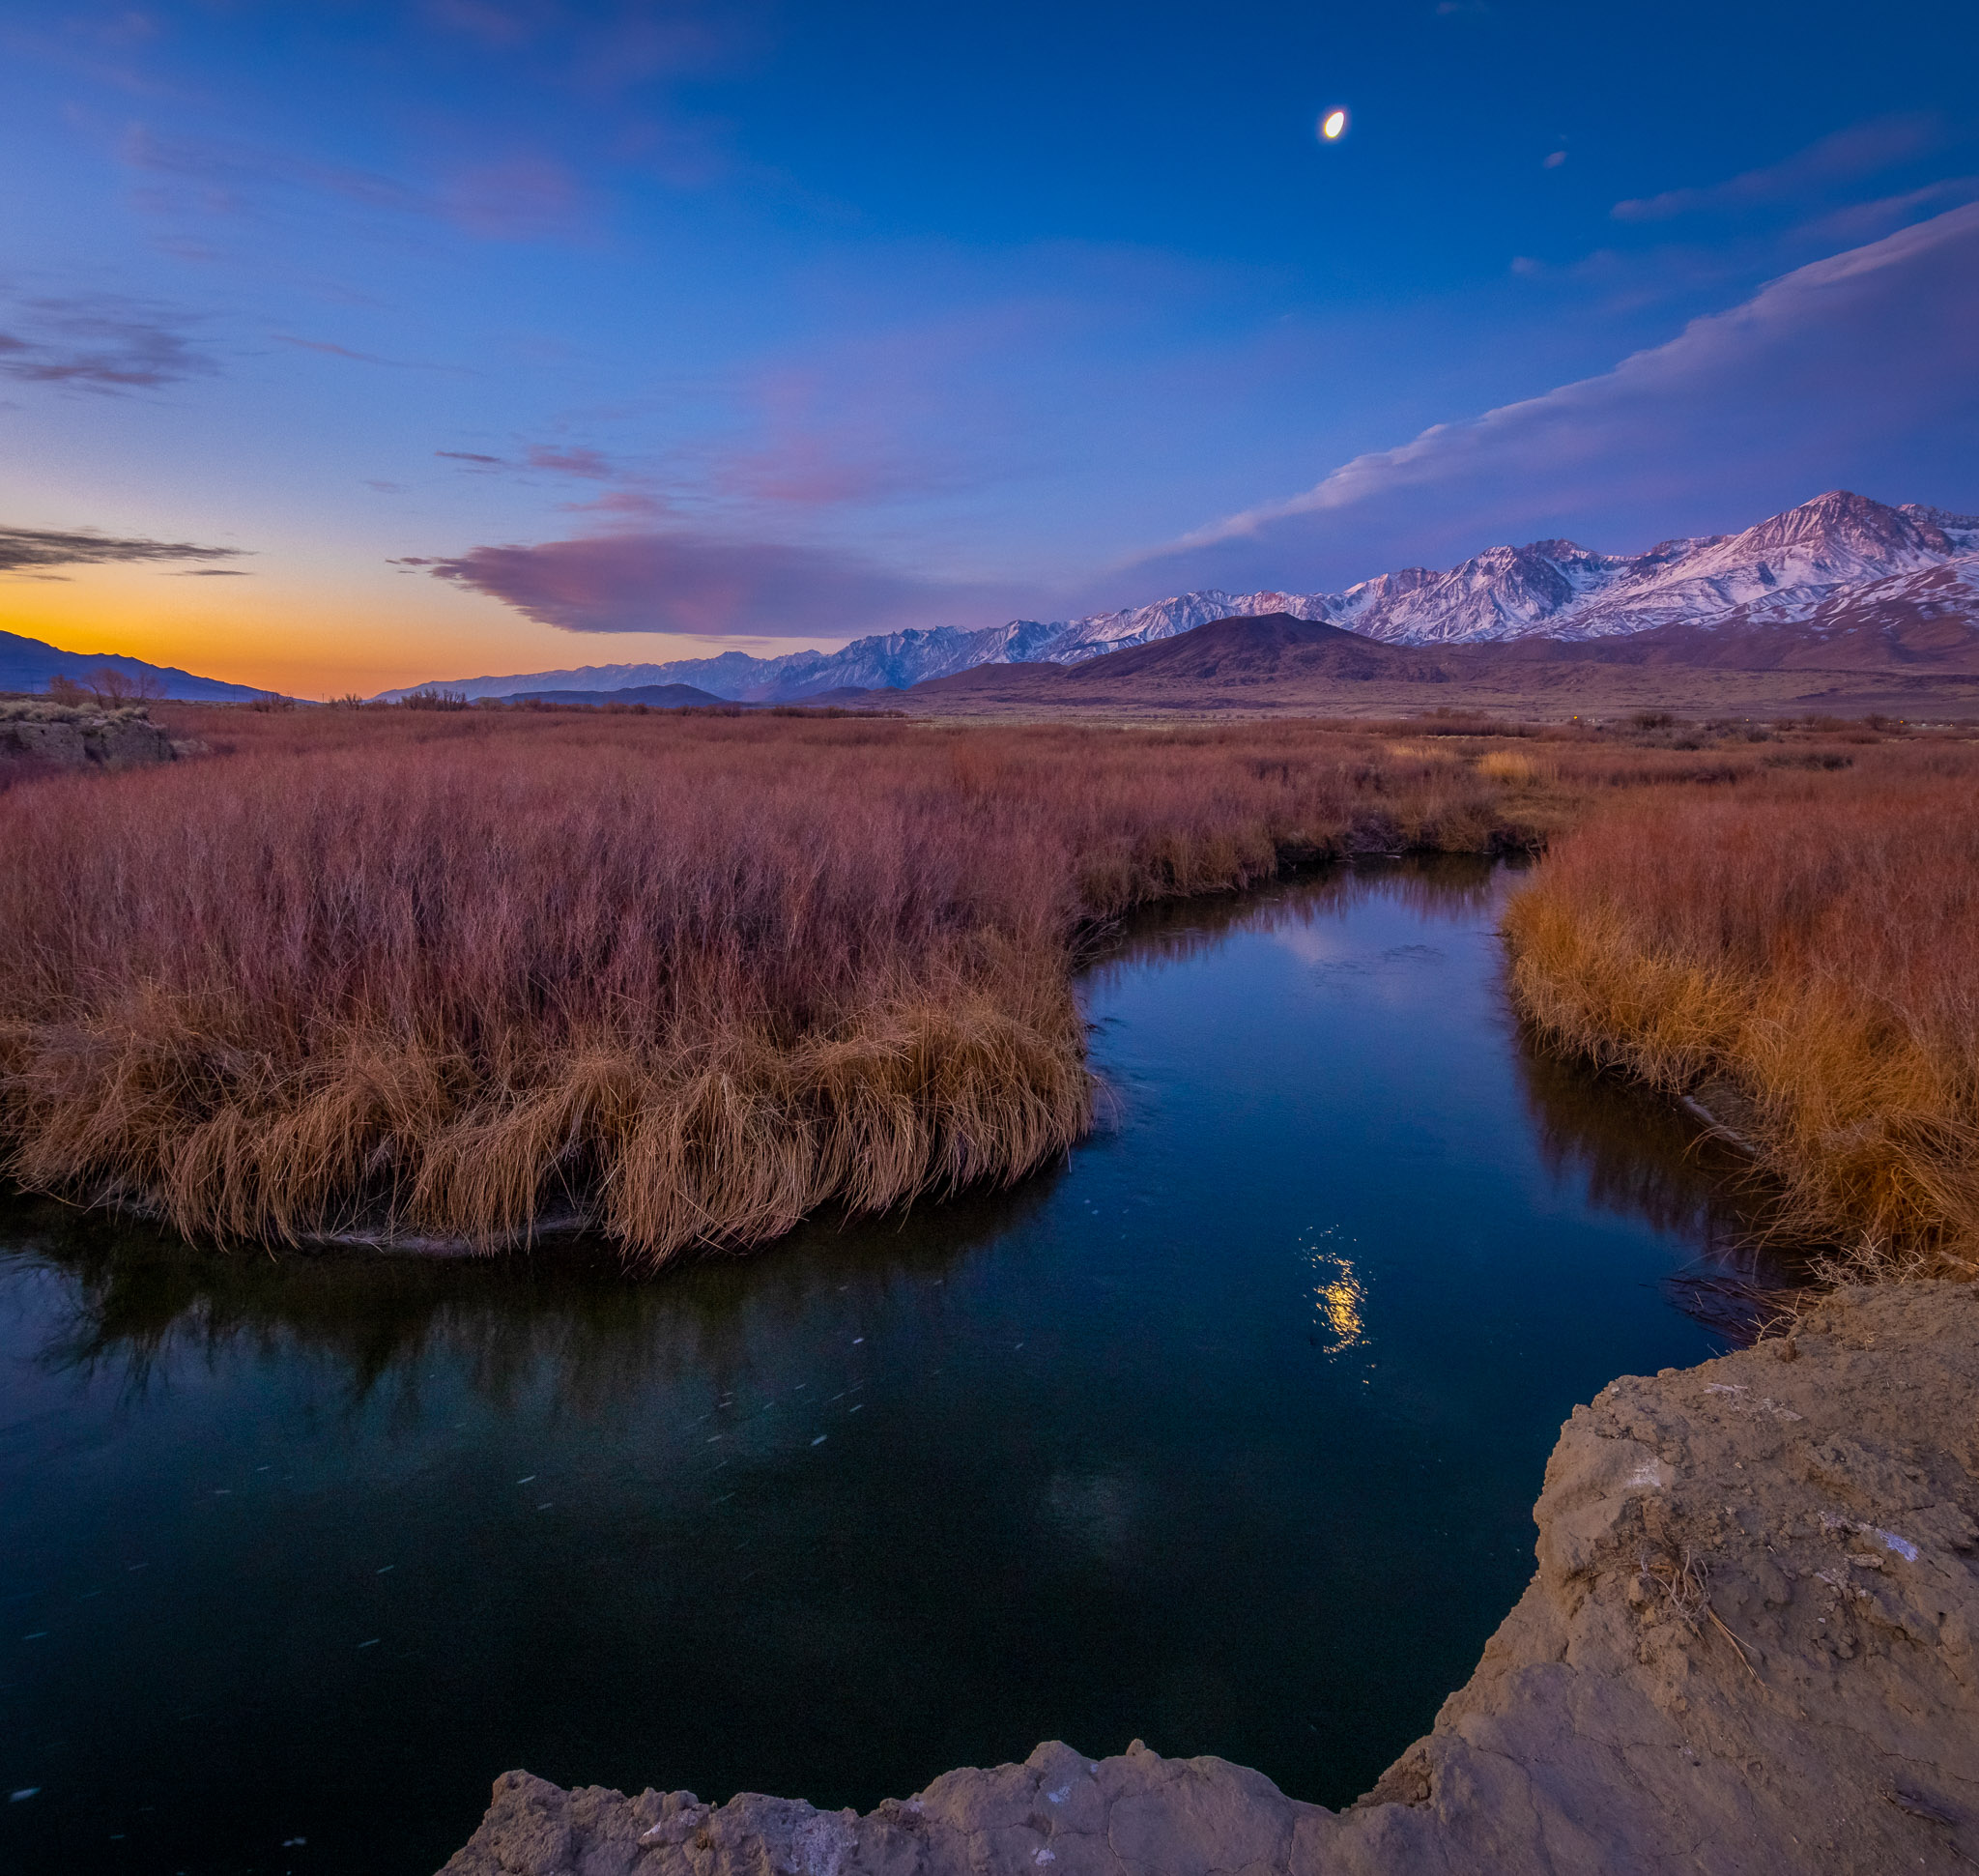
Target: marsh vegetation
column 693, row 977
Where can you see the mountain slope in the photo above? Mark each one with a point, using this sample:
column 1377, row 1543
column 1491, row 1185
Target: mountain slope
column 656, row 697
column 1224, row 662
column 31, row 663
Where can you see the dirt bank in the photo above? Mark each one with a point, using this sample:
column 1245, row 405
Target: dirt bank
column 1748, row 1647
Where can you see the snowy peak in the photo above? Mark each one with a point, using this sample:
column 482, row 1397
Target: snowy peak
column 1502, row 592
column 1788, row 565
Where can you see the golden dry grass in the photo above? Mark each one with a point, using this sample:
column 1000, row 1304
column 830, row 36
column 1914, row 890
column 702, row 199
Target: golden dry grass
column 1803, row 954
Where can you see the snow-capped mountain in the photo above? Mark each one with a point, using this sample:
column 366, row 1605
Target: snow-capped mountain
column 1789, row 565
column 1837, row 563
column 899, row 659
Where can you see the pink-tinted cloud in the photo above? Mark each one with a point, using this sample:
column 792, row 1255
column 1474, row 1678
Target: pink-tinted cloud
column 518, row 198
column 100, row 343
column 525, row 198
column 577, row 461
column 706, row 586
column 611, row 46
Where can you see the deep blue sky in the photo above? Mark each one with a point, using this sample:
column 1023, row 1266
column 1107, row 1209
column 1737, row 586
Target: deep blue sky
column 783, row 323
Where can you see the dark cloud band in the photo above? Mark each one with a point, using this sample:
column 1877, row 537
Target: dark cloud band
column 22, row 548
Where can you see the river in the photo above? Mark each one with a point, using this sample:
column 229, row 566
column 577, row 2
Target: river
column 1223, row 1434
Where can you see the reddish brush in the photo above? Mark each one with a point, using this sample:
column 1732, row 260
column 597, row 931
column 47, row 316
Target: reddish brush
column 703, row 975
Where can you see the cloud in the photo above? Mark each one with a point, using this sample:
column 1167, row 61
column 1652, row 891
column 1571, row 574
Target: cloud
column 704, row 586
column 1554, row 161
column 526, row 198
column 554, row 459
column 1845, row 157
column 605, row 46
column 586, row 463
column 22, row 548
column 1856, row 369
column 334, row 351
column 518, row 198
column 105, row 344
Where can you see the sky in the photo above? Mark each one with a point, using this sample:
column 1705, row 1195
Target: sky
column 347, row 346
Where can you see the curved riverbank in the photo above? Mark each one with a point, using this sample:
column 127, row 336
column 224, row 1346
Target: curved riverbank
column 1748, row 1646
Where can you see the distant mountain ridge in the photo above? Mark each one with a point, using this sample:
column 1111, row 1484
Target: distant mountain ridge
column 32, row 664
column 1838, row 568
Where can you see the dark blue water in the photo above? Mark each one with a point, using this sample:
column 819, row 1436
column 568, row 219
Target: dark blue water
column 1224, row 1434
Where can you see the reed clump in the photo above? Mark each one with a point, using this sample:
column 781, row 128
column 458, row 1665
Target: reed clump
column 452, row 971
column 1802, row 955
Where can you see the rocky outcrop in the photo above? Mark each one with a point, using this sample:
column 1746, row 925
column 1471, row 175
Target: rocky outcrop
column 65, row 736
column 1748, row 1647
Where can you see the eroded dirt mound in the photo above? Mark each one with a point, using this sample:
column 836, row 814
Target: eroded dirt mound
column 60, row 735
column 1748, row 1647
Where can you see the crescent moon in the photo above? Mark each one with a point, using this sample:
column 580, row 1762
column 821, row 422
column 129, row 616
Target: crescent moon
column 1332, row 123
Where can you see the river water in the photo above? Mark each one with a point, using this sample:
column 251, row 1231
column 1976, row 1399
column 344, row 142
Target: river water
column 1224, row 1434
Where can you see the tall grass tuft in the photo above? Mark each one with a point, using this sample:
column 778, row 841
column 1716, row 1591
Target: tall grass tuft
column 1804, row 958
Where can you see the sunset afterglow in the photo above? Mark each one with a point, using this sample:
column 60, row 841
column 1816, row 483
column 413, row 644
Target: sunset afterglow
column 504, row 337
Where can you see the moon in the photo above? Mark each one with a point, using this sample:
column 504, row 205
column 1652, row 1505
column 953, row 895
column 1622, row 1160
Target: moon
column 1332, row 125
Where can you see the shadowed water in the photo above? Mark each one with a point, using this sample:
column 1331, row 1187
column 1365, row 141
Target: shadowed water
column 1224, row 1434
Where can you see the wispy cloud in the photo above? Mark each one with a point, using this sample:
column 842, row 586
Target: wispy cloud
column 102, row 343
column 607, row 47
column 519, row 197
column 704, row 586
column 330, row 348
column 23, row 548
column 1846, row 157
column 588, row 464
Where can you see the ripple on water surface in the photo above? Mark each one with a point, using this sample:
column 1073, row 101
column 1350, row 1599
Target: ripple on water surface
column 1224, row 1434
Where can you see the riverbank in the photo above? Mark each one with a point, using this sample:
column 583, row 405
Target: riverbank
column 1802, row 963
column 1748, row 1646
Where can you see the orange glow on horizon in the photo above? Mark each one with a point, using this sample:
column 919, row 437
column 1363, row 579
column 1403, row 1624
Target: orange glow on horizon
column 377, row 634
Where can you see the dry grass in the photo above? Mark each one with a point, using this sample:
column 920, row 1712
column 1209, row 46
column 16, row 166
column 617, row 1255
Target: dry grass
column 1512, row 766
column 698, row 976
column 1803, row 954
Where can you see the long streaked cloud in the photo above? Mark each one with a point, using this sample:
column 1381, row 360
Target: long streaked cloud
column 705, row 586
column 25, row 548
column 1870, row 351
column 102, row 343
column 1846, row 157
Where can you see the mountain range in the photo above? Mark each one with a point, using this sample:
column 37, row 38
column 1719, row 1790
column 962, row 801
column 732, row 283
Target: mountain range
column 30, row 664
column 1841, row 583
column 1840, row 578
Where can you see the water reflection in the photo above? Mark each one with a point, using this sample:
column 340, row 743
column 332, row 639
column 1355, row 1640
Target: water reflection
column 314, row 1545
column 1339, row 1293
column 1637, row 1155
